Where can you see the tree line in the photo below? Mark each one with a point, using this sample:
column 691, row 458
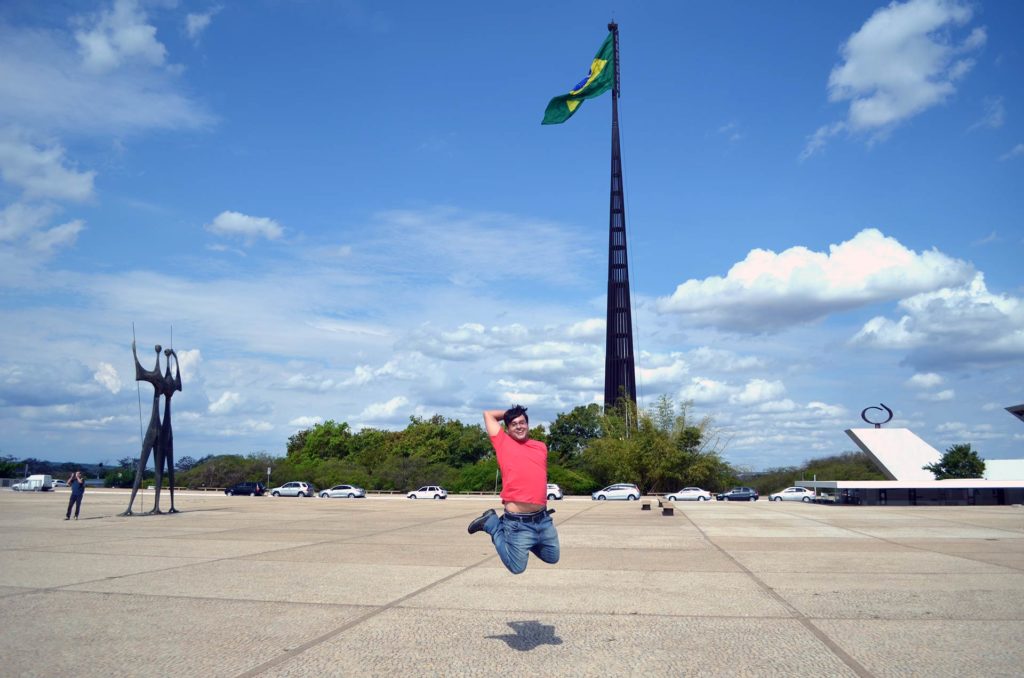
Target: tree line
column 660, row 449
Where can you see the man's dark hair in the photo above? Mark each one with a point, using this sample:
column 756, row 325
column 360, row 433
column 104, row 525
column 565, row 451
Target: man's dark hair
column 513, row 413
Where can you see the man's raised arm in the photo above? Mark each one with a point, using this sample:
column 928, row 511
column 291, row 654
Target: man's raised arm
column 492, row 421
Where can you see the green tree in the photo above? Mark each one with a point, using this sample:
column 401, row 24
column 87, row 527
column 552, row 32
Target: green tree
column 444, row 441
column 959, row 461
column 185, row 463
column 660, row 449
column 329, row 440
column 571, row 432
column 297, row 443
column 8, row 466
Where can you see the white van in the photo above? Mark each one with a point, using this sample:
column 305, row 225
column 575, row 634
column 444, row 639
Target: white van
column 36, row 483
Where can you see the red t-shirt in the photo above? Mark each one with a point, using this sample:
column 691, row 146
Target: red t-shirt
column 524, row 469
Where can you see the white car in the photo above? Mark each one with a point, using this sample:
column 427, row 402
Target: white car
column 626, row 491
column 554, row 491
column 293, row 489
column 689, row 494
column 793, row 494
column 428, row 492
column 344, row 491
column 59, row 483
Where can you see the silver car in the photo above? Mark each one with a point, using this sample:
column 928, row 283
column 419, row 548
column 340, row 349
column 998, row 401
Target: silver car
column 293, row 489
column 343, row 491
column 793, row 494
column 626, row 491
column 689, row 494
column 554, row 491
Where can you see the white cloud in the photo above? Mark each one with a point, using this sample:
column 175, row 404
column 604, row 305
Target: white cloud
column 385, row 410
column 45, row 87
column 468, row 341
column 189, row 364
column 940, row 396
column 770, row 292
column 757, row 391
column 992, row 237
column 951, row 328
column 824, row 409
column 245, row 428
column 107, row 376
column 901, row 62
column 704, row 391
column 41, row 172
column 305, row 422
column 227, row 403
column 724, row 361
column 785, row 405
column 236, row 224
column 1014, row 152
column 118, row 36
column 18, row 219
column 925, row 380
column 995, row 114
column 58, row 236
column 308, row 382
column 591, row 328
column 467, row 255
column 731, row 131
column 819, row 139
column 197, row 22
column 657, row 372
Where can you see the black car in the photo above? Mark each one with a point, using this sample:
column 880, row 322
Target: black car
column 739, row 494
column 255, row 489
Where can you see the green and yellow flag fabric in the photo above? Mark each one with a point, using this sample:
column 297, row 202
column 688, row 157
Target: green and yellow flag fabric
column 600, row 79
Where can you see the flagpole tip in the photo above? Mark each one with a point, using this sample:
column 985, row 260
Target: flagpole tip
column 613, row 27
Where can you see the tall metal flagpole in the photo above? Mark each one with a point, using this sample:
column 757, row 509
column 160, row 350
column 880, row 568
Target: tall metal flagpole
column 619, row 369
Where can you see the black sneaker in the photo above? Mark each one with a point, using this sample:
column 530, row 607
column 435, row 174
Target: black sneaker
column 477, row 524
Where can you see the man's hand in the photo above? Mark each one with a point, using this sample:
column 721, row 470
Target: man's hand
column 492, row 421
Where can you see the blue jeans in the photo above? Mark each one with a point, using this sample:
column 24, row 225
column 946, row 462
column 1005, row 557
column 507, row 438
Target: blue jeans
column 515, row 539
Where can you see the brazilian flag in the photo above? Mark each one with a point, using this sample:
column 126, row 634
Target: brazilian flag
column 598, row 81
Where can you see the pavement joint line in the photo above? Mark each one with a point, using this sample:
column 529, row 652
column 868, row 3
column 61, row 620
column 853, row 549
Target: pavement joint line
column 286, row 656
column 893, row 510
column 540, row 613
column 834, row 647
column 198, row 561
column 294, row 652
column 911, row 546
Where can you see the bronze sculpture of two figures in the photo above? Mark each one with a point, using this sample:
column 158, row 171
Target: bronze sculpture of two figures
column 159, row 438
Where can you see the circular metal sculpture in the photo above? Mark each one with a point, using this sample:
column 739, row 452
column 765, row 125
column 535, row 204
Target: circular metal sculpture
column 878, row 424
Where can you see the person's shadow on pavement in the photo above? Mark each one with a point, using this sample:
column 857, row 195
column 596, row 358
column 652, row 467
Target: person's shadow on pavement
column 528, row 635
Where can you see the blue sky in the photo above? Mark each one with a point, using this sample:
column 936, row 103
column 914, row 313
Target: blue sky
column 350, row 211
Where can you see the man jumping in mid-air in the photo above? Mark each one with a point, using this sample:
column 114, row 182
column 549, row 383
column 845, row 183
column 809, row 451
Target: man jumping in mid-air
column 526, row 524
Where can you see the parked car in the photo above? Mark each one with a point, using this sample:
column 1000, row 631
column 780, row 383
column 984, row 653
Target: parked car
column 793, row 494
column 554, row 491
column 428, row 492
column 739, row 494
column 250, row 489
column 689, row 494
column 345, row 491
column 59, row 483
column 626, row 491
column 35, row 483
column 294, row 489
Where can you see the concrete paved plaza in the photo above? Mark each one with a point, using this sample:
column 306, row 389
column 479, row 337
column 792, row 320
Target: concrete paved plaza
column 245, row 586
